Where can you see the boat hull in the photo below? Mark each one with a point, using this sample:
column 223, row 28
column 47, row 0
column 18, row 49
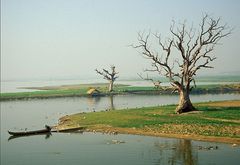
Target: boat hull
column 25, row 133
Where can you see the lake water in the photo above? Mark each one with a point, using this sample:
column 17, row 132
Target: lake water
column 89, row 148
column 98, row 149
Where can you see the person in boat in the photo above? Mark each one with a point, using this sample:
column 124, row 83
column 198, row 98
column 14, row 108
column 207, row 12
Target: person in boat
column 48, row 127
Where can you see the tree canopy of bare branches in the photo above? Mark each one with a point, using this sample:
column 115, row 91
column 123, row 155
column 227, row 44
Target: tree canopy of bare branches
column 194, row 49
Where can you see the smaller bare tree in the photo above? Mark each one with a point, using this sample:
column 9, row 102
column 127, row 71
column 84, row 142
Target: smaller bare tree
column 111, row 76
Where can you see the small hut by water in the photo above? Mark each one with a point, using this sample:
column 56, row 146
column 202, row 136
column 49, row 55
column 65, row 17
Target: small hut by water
column 93, row 91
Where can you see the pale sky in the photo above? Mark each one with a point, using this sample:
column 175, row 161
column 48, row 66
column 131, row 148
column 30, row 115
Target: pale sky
column 70, row 38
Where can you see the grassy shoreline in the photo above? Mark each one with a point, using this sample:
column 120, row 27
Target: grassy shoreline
column 215, row 121
column 81, row 91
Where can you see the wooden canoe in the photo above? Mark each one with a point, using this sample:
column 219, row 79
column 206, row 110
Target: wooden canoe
column 48, row 134
column 25, row 133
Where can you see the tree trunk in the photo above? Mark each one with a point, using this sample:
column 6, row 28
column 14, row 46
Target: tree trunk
column 184, row 104
column 110, row 87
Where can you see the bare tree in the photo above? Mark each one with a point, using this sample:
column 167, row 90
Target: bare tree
column 194, row 49
column 111, row 76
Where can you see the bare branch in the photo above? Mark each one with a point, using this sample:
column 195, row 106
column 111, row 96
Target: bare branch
column 211, row 33
column 111, row 76
column 193, row 47
column 158, row 64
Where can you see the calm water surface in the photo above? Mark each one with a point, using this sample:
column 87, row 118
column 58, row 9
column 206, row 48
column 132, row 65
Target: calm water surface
column 89, row 148
column 98, row 149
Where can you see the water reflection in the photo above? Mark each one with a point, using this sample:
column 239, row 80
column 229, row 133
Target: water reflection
column 180, row 152
column 93, row 102
column 111, row 107
column 184, row 153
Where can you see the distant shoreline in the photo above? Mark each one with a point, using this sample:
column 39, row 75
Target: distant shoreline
column 80, row 90
column 19, row 86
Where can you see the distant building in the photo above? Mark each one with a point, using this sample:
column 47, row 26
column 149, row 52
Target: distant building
column 93, row 91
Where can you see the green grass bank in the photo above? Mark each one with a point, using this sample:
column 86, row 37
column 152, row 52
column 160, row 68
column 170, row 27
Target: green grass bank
column 214, row 121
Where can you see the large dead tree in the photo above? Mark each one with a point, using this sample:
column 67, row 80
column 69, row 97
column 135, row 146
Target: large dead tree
column 181, row 56
column 111, row 76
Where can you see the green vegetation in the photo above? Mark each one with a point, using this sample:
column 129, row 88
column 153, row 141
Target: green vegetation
column 225, row 88
column 81, row 90
column 57, row 91
column 218, row 119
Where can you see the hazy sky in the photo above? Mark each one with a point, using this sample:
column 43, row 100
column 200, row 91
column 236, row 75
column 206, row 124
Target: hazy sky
column 70, row 38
